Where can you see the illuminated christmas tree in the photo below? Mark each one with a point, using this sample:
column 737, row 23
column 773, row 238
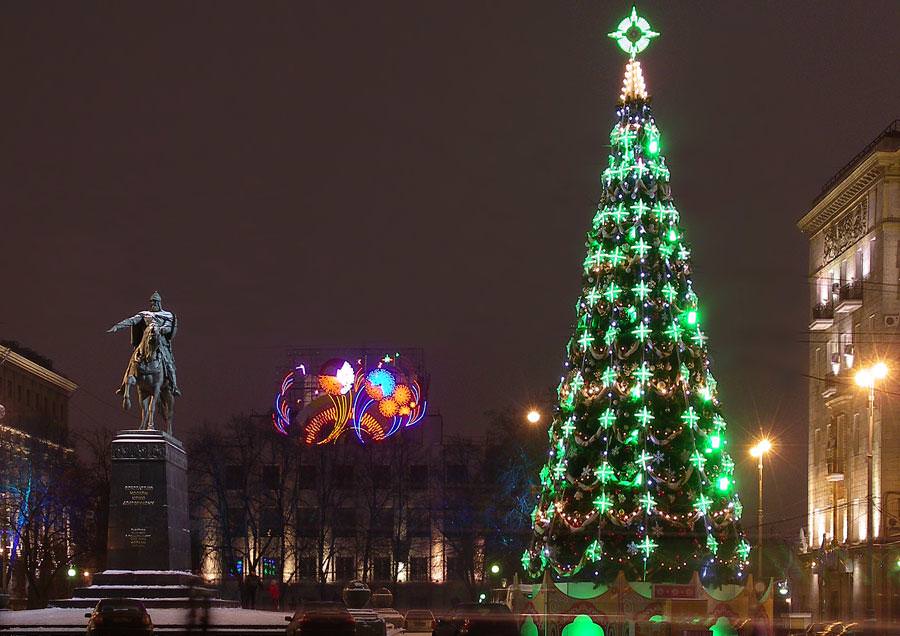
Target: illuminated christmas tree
column 638, row 476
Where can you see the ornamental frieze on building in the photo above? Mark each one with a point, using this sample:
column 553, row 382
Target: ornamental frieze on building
column 846, row 230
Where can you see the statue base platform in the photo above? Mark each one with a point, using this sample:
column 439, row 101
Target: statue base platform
column 152, row 588
column 148, row 503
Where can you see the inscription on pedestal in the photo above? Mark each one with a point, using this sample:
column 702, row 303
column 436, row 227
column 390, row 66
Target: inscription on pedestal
column 138, row 496
column 138, row 537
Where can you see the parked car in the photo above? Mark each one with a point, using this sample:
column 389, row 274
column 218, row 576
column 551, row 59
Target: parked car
column 119, row 617
column 419, row 620
column 321, row 619
column 391, row 617
column 368, row 623
column 478, row 619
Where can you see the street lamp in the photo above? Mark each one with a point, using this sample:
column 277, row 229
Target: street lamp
column 867, row 378
column 495, row 569
column 762, row 447
column 533, row 416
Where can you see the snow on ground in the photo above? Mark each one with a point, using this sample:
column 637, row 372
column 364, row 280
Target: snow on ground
column 62, row 616
column 230, row 616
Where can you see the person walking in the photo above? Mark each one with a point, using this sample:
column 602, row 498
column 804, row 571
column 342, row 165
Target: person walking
column 275, row 594
column 252, row 583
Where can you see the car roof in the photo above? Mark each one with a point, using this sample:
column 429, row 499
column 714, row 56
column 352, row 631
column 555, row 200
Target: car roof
column 120, row 602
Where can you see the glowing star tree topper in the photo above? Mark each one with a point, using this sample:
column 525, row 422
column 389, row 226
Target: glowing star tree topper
column 637, row 460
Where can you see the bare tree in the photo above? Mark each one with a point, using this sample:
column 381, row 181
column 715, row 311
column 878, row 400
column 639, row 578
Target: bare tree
column 46, row 499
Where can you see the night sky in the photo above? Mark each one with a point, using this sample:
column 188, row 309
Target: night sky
column 417, row 173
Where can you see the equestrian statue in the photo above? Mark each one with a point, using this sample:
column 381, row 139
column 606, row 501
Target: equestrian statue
column 151, row 367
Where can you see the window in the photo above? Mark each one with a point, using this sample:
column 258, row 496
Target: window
column 381, row 569
column 235, row 477
column 382, row 522
column 271, row 477
column 307, row 522
column 418, row 569
column 817, row 442
column 458, row 522
column 345, row 522
column 854, row 434
column 866, row 260
column 344, row 568
column 457, row 474
column 343, row 476
column 308, row 477
column 418, row 524
column 418, row 477
column 307, row 567
column 269, row 566
column 454, row 568
column 237, row 522
column 270, row 522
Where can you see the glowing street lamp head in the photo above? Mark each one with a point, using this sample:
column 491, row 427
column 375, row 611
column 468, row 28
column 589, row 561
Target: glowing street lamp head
column 71, row 572
column 495, row 569
column 534, row 416
column 762, row 447
column 867, row 377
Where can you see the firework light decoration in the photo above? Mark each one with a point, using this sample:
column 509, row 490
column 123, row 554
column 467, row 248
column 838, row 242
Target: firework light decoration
column 374, row 403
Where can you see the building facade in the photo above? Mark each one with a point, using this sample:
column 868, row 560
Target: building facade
column 34, row 446
column 854, row 273
column 406, row 513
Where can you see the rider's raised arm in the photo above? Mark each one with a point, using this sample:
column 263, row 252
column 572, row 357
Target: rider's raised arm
column 128, row 322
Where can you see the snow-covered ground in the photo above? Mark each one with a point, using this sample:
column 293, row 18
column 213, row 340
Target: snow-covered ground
column 224, row 616
column 75, row 616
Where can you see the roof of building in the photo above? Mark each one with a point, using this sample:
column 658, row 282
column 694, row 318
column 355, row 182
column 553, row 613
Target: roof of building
column 854, row 179
column 31, row 361
column 887, row 139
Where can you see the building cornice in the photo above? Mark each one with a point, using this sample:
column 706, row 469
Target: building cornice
column 855, row 184
column 8, row 356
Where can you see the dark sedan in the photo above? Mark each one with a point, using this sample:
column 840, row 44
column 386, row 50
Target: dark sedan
column 321, row 619
column 119, row 617
column 478, row 619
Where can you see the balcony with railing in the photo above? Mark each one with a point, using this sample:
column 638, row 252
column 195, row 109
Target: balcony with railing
column 822, row 316
column 849, row 297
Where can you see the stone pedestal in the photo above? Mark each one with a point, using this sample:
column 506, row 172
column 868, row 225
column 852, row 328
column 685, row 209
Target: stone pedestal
column 149, row 542
column 149, row 527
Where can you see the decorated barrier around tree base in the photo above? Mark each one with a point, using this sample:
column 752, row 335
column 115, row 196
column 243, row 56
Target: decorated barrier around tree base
column 622, row 608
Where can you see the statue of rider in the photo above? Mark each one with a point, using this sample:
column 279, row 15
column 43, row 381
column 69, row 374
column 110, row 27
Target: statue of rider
column 166, row 326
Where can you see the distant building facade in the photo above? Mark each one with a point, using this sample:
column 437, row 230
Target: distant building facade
column 854, row 271
column 34, row 439
column 405, row 512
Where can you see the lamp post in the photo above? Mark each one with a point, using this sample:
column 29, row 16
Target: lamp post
column 867, row 378
column 762, row 447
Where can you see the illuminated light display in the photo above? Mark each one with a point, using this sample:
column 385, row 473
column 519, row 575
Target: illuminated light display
column 380, row 383
column 374, row 403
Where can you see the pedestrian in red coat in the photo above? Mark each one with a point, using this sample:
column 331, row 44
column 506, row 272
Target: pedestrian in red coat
column 275, row 593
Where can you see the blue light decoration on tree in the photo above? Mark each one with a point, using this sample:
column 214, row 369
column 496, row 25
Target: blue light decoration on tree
column 374, row 403
column 638, row 478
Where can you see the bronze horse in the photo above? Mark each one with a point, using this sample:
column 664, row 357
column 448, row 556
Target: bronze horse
column 154, row 392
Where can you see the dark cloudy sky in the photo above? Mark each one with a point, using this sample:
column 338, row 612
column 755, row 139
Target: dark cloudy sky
column 419, row 173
